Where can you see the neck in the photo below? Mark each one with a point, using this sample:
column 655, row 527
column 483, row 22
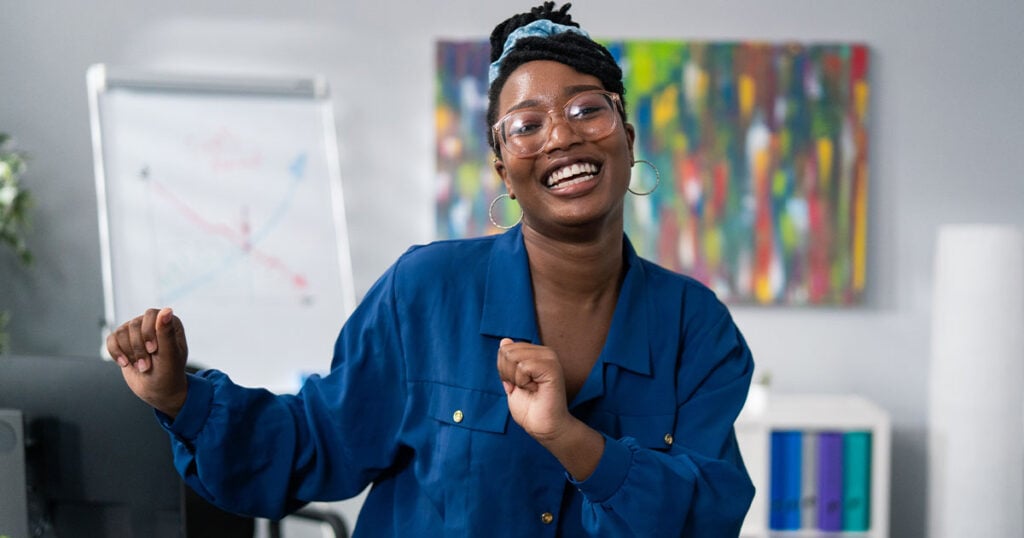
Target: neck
column 581, row 270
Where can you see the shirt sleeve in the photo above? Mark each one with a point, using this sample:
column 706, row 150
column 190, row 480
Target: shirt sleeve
column 253, row 452
column 699, row 487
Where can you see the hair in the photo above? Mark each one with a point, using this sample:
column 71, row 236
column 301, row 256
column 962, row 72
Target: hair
column 570, row 48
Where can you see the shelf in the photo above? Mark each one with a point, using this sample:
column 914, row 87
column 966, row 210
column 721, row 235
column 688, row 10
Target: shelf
column 815, row 413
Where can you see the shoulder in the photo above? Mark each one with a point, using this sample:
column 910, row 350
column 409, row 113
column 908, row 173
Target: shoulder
column 451, row 256
column 426, row 279
column 441, row 267
column 690, row 293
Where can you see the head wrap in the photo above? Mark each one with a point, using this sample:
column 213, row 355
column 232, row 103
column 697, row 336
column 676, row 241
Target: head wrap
column 537, row 28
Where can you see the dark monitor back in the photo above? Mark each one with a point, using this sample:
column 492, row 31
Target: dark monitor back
column 98, row 464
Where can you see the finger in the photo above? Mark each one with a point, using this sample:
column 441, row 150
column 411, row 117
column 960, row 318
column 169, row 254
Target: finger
column 525, row 375
column 170, row 335
column 124, row 343
column 136, row 336
column 114, row 349
column 179, row 334
column 506, row 364
column 148, row 330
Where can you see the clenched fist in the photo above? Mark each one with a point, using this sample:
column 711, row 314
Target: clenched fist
column 152, row 352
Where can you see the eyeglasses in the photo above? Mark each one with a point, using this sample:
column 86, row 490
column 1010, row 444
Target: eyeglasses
column 592, row 115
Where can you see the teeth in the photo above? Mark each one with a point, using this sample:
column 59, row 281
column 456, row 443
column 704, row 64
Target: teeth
column 570, row 171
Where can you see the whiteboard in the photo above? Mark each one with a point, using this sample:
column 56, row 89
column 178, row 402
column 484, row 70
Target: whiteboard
column 222, row 198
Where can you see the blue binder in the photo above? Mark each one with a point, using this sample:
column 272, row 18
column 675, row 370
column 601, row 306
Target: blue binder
column 785, row 480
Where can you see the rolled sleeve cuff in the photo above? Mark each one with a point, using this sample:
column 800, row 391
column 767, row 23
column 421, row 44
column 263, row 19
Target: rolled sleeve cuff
column 193, row 414
column 610, row 473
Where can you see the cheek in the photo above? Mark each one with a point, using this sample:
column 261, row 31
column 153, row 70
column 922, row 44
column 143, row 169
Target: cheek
column 518, row 173
column 622, row 159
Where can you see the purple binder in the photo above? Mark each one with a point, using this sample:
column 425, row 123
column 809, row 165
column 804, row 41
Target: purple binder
column 830, row 481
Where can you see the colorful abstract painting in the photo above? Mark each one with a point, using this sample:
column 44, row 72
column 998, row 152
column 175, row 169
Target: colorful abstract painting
column 761, row 147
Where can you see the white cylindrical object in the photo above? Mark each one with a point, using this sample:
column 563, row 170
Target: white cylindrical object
column 976, row 391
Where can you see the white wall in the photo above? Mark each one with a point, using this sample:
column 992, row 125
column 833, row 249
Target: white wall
column 946, row 120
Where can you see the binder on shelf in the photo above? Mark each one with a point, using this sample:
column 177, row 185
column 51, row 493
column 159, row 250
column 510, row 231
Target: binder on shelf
column 797, row 435
column 785, row 480
column 856, row 480
column 830, row 481
column 809, row 481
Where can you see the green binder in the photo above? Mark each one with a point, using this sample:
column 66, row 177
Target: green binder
column 856, row 481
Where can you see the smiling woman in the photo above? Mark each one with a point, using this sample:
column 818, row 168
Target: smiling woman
column 545, row 381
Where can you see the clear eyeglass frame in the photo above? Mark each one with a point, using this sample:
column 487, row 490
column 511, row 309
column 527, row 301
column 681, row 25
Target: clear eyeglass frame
column 548, row 124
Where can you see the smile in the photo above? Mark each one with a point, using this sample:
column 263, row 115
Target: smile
column 571, row 175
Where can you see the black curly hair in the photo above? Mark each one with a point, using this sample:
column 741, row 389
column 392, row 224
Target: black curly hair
column 570, row 48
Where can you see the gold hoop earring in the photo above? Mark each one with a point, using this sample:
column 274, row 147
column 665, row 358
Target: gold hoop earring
column 657, row 178
column 490, row 212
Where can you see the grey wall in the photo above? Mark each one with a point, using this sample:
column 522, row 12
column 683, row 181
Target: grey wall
column 946, row 121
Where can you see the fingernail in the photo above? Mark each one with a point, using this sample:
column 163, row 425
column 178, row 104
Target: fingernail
column 508, row 386
column 142, row 365
column 122, row 361
column 151, row 347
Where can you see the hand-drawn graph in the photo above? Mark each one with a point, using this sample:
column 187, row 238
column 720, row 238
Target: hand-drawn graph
column 227, row 208
column 224, row 244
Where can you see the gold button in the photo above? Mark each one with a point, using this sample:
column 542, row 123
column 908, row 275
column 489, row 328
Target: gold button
column 668, row 439
column 546, row 518
column 457, row 415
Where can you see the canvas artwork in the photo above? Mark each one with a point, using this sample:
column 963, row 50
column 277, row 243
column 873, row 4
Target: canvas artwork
column 761, row 147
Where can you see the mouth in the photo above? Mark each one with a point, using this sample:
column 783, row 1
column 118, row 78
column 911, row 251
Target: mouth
column 572, row 174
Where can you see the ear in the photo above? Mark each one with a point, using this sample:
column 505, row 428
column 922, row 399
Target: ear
column 499, row 167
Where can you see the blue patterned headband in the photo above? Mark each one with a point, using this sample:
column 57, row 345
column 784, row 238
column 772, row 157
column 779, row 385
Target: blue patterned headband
column 537, row 28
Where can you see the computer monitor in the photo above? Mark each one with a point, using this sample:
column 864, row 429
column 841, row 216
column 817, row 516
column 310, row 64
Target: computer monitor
column 96, row 461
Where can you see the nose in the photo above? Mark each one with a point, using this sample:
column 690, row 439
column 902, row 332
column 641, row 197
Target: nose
column 561, row 135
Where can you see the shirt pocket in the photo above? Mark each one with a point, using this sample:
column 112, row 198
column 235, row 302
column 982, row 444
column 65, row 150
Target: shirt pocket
column 468, row 408
column 469, row 452
column 655, row 432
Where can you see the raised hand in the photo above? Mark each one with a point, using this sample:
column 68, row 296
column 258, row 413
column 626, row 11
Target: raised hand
column 535, row 386
column 152, row 351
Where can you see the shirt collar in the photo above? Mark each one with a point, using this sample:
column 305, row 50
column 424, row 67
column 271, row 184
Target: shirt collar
column 629, row 340
column 509, row 311
column 508, row 300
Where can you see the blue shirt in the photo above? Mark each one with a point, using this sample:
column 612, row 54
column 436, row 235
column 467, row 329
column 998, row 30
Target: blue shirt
column 414, row 406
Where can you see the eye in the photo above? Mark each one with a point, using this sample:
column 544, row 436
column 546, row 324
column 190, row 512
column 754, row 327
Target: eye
column 524, row 124
column 588, row 106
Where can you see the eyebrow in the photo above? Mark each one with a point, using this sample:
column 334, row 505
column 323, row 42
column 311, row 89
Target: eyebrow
column 567, row 92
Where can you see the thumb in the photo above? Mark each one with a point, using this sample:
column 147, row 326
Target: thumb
column 170, row 337
column 505, row 341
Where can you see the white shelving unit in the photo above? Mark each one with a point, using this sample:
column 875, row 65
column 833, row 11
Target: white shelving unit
column 766, row 412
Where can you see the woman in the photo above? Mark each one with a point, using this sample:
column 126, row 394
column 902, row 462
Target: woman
column 608, row 411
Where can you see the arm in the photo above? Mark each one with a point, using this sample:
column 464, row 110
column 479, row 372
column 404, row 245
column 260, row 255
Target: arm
column 253, row 452
column 697, row 488
column 535, row 386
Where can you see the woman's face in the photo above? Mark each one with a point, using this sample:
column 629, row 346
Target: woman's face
column 571, row 181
